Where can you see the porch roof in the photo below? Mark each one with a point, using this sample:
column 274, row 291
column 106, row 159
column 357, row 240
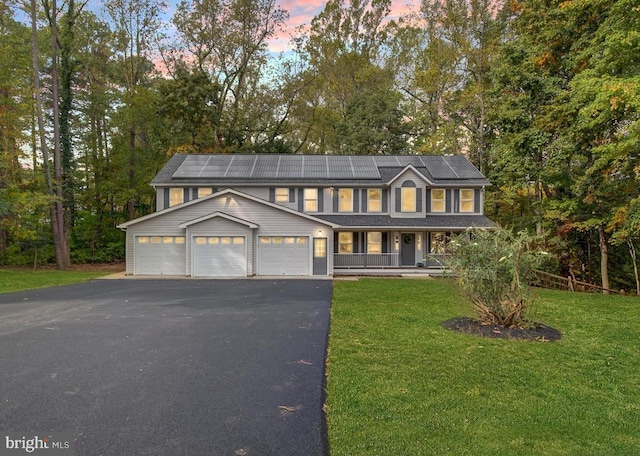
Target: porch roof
column 430, row 222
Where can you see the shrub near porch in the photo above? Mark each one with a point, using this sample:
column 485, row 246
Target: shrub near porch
column 400, row 384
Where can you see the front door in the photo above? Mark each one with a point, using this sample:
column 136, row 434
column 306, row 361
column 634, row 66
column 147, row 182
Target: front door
column 319, row 256
column 408, row 250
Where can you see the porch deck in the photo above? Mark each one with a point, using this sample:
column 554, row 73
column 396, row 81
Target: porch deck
column 389, row 272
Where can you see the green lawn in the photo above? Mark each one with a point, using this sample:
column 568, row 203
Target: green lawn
column 25, row 279
column 399, row 384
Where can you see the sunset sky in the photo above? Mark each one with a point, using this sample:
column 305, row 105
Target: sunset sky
column 302, row 11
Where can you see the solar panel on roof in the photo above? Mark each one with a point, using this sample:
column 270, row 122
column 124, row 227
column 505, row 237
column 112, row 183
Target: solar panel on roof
column 290, row 167
column 386, row 161
column 439, row 167
column 266, row 166
column 365, row 167
column 240, row 166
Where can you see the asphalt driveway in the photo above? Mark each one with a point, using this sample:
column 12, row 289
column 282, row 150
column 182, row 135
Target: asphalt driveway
column 168, row 367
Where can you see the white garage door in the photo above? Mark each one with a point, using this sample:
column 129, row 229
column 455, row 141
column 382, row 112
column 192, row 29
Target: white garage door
column 281, row 255
column 160, row 255
column 224, row 256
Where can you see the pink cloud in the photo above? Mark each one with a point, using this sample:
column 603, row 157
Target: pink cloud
column 301, row 12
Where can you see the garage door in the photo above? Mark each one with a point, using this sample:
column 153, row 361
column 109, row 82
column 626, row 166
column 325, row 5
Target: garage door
column 223, row 256
column 160, row 255
column 280, row 255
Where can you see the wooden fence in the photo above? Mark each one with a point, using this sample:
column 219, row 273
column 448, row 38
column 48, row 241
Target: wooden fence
column 547, row 280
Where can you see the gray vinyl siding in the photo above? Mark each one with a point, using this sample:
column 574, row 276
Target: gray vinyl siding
column 271, row 221
column 395, row 210
column 147, row 229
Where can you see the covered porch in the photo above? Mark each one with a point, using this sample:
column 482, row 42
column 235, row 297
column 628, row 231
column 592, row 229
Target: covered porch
column 388, row 250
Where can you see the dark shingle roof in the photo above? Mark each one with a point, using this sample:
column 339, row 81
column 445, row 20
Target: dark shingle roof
column 429, row 222
column 311, row 169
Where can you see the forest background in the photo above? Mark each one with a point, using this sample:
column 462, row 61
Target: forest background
column 543, row 96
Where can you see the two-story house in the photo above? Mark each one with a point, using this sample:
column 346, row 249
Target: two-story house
column 303, row 215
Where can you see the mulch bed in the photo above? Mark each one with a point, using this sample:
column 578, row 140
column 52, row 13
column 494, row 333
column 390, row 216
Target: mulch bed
column 536, row 332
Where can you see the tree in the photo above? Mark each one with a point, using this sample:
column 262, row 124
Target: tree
column 449, row 49
column 343, row 87
column 493, row 268
column 227, row 41
column 137, row 27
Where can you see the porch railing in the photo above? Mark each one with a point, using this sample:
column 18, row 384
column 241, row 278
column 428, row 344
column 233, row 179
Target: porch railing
column 434, row 261
column 366, row 260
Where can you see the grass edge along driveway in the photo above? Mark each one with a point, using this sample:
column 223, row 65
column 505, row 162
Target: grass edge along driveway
column 400, row 384
column 27, row 279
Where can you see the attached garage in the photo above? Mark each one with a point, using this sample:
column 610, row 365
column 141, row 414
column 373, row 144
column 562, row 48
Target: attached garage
column 219, row 256
column 283, row 255
column 160, row 255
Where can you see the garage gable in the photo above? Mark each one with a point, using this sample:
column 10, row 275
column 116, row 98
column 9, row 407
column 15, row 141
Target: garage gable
column 227, row 226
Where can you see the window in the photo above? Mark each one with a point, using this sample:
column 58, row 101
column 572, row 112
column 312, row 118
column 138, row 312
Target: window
column 204, row 191
column 156, row 239
column 176, row 196
column 320, row 248
column 437, row 200
column 374, row 200
column 143, row 240
column 408, row 199
column 214, row 240
column 282, row 195
column 346, row 200
column 374, row 242
column 466, row 200
column 167, row 240
column 345, row 242
column 311, row 199
column 438, row 243
column 301, row 240
column 238, row 240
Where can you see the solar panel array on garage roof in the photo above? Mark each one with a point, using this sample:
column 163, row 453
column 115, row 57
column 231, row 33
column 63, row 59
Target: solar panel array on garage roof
column 278, row 167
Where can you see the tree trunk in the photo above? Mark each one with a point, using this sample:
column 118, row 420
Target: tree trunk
column 53, row 213
column 132, row 171
column 632, row 251
column 604, row 259
column 62, row 246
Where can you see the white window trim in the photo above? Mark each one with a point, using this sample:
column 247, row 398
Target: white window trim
column 404, row 199
column 467, row 200
column 349, row 245
column 281, row 195
column 344, row 200
column 376, row 244
column 173, row 196
column 369, row 200
column 311, row 196
column 442, row 200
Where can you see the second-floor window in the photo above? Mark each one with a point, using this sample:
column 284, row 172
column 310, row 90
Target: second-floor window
column 345, row 197
column 282, row 195
column 311, row 199
column 204, row 191
column 374, row 200
column 408, row 203
column 437, row 200
column 176, row 196
column 466, row 200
